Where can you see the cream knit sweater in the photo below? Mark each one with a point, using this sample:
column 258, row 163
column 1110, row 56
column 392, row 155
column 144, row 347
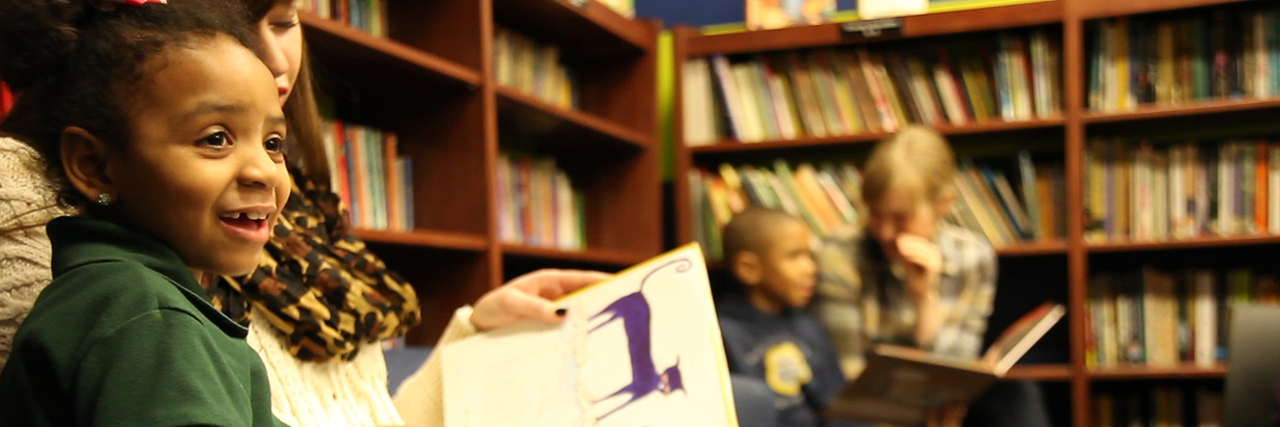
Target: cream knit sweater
column 27, row 198
column 351, row 394
column 303, row 394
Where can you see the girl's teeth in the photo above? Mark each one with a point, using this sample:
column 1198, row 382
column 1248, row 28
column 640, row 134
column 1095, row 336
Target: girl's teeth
column 245, row 215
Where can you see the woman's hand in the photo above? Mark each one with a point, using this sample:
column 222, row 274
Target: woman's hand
column 923, row 262
column 950, row 416
column 529, row 297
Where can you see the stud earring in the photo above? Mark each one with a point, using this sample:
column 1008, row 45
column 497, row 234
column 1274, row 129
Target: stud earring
column 104, row 199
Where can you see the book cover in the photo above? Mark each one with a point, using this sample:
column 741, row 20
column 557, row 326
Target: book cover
column 770, row 14
column 1027, row 176
column 806, row 96
column 643, row 348
column 406, row 187
column 730, row 97
column 861, row 91
column 899, row 384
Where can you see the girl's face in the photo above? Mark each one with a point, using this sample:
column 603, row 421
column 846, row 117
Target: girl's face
column 903, row 212
column 204, row 170
column 281, row 35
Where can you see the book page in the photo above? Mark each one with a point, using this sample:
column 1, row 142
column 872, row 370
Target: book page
column 1018, row 338
column 643, row 349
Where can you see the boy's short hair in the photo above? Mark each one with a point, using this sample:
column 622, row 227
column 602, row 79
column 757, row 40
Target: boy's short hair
column 748, row 231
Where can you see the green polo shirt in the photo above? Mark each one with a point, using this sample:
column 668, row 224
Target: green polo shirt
column 125, row 336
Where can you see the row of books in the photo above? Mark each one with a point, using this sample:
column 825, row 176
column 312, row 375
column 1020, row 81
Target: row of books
column 835, row 92
column 538, row 205
column 533, row 68
column 826, row 197
column 1160, row 318
column 1161, row 406
column 989, row 203
column 367, row 172
column 369, row 16
column 1147, row 192
column 1176, row 59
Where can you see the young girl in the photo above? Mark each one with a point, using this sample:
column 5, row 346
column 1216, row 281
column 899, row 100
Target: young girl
column 321, row 347
column 908, row 277
column 167, row 130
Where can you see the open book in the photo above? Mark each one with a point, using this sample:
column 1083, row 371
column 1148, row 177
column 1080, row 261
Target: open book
column 640, row 349
column 899, row 384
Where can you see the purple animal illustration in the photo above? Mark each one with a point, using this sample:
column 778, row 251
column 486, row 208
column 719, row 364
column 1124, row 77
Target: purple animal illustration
column 633, row 310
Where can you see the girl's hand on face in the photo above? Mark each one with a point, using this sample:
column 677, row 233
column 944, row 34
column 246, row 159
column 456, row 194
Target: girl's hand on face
column 529, row 297
column 923, row 262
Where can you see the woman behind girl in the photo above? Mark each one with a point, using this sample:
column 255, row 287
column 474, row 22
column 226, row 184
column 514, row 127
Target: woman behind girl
column 161, row 124
column 320, row 302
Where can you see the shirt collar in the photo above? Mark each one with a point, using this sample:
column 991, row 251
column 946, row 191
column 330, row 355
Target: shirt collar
column 79, row 241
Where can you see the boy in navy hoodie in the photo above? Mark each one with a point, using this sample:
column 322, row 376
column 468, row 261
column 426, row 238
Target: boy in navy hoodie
column 767, row 334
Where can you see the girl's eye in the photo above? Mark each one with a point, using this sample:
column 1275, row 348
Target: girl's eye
column 286, row 24
column 216, row 140
column 274, row 145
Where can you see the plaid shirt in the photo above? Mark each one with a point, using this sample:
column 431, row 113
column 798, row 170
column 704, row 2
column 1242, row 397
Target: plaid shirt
column 863, row 303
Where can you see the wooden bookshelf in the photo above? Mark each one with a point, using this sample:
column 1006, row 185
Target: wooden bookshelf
column 431, row 81
column 1157, row 373
column 1092, row 9
column 1199, row 243
column 591, row 28
column 344, row 50
column 1050, row 247
column 1075, row 126
column 425, row 239
column 992, row 127
column 600, row 257
column 1047, row 372
column 555, row 123
column 1198, row 108
column 1023, row 15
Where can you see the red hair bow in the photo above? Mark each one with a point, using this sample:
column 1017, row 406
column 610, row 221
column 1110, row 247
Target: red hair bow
column 111, row 4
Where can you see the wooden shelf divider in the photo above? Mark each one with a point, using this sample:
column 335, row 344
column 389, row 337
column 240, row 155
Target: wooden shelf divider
column 431, row 82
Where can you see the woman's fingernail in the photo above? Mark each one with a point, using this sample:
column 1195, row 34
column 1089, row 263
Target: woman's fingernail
column 561, row 311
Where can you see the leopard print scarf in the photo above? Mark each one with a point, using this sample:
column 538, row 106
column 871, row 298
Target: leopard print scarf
column 319, row 285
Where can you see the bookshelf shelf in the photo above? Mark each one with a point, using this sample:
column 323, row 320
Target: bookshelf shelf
column 1047, row 372
column 869, row 137
column 592, row 29
column 364, row 59
column 1158, row 373
column 601, row 257
column 1022, row 15
column 1092, row 9
column 425, row 239
column 1180, row 111
column 1207, row 242
column 1012, row 251
column 1033, row 249
column 534, row 116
